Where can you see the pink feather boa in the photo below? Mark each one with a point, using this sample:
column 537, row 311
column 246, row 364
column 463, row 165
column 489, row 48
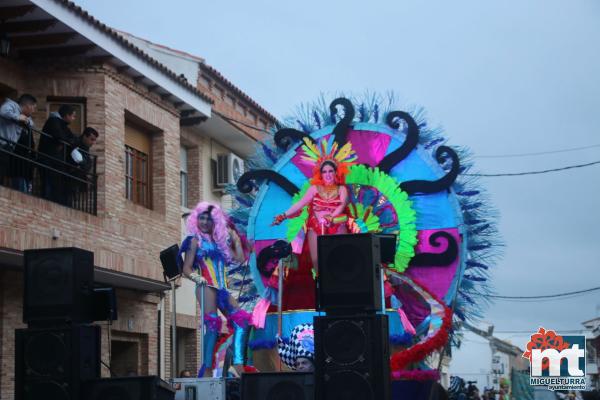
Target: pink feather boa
column 213, row 323
column 416, row 375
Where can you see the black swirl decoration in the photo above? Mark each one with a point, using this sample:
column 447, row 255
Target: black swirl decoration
column 444, row 258
column 340, row 132
column 244, row 184
column 411, row 141
column 276, row 251
column 286, row 136
column 427, row 187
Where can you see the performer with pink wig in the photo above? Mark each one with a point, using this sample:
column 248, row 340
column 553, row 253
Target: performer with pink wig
column 210, row 246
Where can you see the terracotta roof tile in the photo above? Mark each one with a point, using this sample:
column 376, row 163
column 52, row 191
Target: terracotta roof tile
column 212, row 70
column 119, row 38
column 238, row 91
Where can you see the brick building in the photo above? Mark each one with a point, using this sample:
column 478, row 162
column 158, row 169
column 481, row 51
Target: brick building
column 160, row 126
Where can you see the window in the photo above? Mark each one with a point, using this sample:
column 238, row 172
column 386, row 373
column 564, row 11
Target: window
column 137, row 165
column 183, row 176
column 78, row 103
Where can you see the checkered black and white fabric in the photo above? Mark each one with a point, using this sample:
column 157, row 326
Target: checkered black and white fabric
column 300, row 344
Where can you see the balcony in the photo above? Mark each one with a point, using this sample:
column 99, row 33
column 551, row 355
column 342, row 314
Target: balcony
column 60, row 180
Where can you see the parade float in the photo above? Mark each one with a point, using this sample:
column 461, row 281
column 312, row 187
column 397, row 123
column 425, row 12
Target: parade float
column 402, row 177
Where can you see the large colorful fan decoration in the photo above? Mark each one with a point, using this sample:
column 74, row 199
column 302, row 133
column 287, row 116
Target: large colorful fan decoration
column 401, row 178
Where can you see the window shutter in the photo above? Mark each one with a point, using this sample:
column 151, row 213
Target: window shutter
column 137, row 138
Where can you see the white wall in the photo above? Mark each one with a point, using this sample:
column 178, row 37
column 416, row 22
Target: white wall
column 211, row 149
column 177, row 63
column 185, row 295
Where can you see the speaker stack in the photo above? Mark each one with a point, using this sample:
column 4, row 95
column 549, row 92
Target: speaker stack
column 352, row 341
column 59, row 349
column 278, row 386
column 52, row 363
column 58, row 356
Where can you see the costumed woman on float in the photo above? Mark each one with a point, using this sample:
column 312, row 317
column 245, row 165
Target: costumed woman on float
column 211, row 245
column 326, row 198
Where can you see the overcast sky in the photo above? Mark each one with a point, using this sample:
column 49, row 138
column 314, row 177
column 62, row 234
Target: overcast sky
column 501, row 77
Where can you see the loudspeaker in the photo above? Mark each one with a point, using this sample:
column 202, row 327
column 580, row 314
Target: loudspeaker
column 51, row 363
column 278, row 386
column 168, row 259
column 58, row 286
column 130, row 388
column 352, row 357
column 349, row 278
column 104, row 304
column 387, row 242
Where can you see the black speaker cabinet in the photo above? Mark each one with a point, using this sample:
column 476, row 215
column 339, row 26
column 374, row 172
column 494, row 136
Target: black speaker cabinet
column 349, row 278
column 51, row 363
column 352, row 357
column 58, row 286
column 278, row 386
column 168, row 259
column 104, row 304
column 387, row 244
column 130, row 388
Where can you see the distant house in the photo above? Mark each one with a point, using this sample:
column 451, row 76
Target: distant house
column 592, row 345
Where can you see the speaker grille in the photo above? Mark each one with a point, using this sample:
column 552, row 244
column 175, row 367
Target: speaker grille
column 352, row 357
column 348, row 385
column 47, row 390
column 286, row 390
column 50, row 279
column 51, row 363
column 46, row 354
column 345, row 264
column 278, row 386
column 345, row 342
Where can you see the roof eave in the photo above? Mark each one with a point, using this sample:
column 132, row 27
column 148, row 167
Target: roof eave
column 111, row 45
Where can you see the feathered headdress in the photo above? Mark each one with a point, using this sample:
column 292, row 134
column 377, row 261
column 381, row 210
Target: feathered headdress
column 316, row 154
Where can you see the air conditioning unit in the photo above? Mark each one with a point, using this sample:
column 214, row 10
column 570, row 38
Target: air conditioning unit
column 229, row 169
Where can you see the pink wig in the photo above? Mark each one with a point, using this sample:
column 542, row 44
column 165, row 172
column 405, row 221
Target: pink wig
column 220, row 234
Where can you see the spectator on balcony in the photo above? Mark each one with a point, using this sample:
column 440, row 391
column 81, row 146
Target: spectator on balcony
column 15, row 138
column 53, row 153
column 82, row 166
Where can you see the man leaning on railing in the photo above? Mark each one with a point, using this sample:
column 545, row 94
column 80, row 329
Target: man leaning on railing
column 82, row 166
column 52, row 152
column 16, row 139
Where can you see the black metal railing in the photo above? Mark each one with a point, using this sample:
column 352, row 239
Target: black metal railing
column 61, row 180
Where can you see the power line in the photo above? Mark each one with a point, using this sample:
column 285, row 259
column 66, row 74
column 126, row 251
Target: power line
column 540, row 153
column 537, row 172
column 241, row 123
column 556, row 330
column 546, row 296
